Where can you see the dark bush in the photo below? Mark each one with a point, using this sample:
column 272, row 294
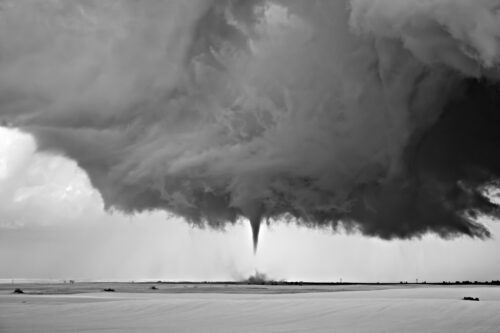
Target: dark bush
column 18, row 291
column 109, row 290
column 153, row 288
column 471, row 299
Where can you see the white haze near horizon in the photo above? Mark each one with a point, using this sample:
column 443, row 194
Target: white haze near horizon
column 53, row 226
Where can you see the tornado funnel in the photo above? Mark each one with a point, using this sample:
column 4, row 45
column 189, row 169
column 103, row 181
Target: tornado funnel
column 255, row 224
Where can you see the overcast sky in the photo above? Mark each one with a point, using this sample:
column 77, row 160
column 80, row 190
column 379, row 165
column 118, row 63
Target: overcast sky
column 53, row 225
column 375, row 113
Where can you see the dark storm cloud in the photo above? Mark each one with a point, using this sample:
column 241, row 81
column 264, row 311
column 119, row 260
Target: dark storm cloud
column 377, row 115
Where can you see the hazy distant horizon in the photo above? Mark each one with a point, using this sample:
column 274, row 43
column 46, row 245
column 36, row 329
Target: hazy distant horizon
column 160, row 280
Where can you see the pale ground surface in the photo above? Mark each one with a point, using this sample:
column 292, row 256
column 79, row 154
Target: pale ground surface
column 421, row 309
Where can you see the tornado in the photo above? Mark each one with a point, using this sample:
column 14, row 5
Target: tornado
column 375, row 116
column 255, row 224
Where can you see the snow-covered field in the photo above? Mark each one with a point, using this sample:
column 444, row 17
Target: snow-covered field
column 431, row 309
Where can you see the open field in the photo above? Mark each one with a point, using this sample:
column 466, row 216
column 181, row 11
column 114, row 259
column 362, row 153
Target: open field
column 188, row 287
column 134, row 307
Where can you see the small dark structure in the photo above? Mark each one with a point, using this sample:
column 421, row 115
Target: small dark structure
column 109, row 290
column 18, row 291
column 471, row 299
column 153, row 288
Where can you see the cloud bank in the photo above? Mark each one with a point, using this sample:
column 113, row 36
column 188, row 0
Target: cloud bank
column 377, row 116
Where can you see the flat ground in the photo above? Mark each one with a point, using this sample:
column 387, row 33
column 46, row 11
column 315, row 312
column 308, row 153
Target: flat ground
column 134, row 307
column 175, row 288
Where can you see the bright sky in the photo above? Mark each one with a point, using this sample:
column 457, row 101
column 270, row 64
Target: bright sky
column 53, row 225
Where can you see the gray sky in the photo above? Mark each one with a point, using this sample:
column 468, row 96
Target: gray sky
column 366, row 112
column 53, row 226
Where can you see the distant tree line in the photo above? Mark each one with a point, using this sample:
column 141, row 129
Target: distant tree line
column 492, row 282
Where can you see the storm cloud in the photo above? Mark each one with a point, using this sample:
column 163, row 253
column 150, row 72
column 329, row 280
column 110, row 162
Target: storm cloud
column 371, row 115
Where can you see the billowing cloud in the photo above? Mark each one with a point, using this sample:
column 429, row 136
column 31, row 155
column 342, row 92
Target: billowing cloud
column 376, row 115
column 38, row 189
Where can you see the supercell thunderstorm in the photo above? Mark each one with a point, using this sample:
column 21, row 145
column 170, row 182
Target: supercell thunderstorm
column 379, row 116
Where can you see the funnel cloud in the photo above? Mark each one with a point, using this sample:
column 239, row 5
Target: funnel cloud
column 372, row 115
